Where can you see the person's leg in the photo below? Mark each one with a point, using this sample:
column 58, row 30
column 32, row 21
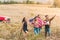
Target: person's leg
column 26, row 31
column 39, row 30
column 35, row 31
column 48, row 31
column 45, row 32
column 24, row 34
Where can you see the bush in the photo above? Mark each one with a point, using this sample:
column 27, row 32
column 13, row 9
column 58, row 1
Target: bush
column 56, row 3
column 11, row 2
column 24, row 2
column 31, row 2
column 38, row 3
column 0, row 2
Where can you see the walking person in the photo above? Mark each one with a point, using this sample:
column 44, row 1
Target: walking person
column 24, row 28
column 25, row 25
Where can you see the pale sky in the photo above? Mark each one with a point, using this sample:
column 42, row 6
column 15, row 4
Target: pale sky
column 43, row 1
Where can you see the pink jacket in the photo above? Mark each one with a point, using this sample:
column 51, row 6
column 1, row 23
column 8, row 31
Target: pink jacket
column 40, row 21
column 36, row 24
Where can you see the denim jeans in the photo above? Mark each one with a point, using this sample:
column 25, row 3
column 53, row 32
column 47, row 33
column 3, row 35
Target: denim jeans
column 37, row 30
column 47, row 30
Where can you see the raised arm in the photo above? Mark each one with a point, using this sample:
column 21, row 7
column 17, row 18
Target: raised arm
column 52, row 18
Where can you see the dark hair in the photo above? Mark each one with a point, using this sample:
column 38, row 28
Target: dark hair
column 46, row 15
column 38, row 15
column 8, row 19
column 35, row 19
column 23, row 19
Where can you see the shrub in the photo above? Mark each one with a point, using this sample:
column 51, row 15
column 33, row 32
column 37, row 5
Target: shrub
column 0, row 2
column 11, row 2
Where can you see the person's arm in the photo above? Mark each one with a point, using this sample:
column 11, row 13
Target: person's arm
column 31, row 24
column 52, row 18
column 44, row 22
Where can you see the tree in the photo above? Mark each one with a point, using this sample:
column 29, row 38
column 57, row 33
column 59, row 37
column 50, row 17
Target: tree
column 0, row 2
column 4, row 0
column 56, row 3
column 27, row 1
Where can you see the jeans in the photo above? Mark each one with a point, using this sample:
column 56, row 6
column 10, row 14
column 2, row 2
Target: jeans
column 37, row 30
column 47, row 30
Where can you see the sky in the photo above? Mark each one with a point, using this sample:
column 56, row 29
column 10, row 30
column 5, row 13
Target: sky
column 43, row 1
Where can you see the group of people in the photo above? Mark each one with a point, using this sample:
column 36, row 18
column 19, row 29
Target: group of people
column 37, row 22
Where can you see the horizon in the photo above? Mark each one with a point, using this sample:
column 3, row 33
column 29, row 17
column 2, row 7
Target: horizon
column 43, row 1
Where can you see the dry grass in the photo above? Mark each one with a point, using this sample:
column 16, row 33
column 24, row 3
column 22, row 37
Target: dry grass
column 13, row 32
column 18, row 11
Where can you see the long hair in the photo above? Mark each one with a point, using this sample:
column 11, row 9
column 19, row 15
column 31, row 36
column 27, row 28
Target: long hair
column 23, row 19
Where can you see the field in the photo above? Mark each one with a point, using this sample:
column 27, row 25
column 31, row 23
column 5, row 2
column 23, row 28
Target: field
column 18, row 11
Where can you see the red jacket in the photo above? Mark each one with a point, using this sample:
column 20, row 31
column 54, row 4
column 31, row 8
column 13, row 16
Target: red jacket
column 2, row 18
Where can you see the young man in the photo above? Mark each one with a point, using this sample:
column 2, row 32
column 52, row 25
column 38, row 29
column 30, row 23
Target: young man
column 47, row 24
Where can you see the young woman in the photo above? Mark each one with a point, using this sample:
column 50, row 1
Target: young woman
column 41, row 23
column 36, row 27
column 38, row 23
column 24, row 28
column 24, row 22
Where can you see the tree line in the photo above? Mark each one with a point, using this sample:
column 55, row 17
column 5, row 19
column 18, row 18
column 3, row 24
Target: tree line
column 56, row 2
column 14, row 2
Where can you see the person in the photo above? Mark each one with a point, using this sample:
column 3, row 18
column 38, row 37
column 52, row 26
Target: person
column 36, row 27
column 38, row 23
column 2, row 18
column 24, row 28
column 24, row 25
column 47, row 24
column 7, row 20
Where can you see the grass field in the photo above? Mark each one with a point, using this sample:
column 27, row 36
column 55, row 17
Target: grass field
column 18, row 11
